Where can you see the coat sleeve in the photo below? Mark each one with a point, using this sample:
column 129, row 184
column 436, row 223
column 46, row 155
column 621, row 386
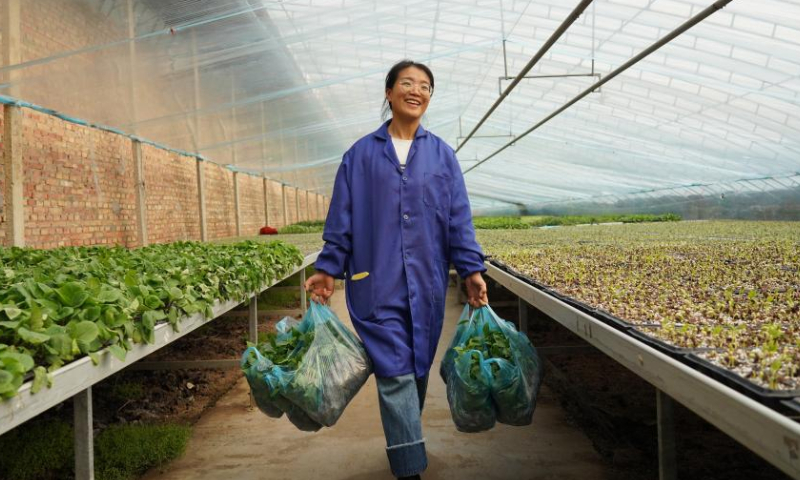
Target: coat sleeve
column 465, row 253
column 338, row 232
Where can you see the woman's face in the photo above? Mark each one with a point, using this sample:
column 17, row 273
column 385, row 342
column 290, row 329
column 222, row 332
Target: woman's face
column 411, row 94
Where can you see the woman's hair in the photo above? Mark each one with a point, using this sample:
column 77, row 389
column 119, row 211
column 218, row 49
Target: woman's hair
column 391, row 79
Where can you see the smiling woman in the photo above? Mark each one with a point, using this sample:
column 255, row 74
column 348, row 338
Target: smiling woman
column 416, row 87
column 398, row 217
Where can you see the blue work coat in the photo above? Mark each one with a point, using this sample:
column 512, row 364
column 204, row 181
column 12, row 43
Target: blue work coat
column 392, row 233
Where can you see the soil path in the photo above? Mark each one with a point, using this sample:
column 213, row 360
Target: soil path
column 232, row 441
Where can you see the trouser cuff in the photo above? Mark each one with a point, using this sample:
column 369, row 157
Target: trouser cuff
column 407, row 459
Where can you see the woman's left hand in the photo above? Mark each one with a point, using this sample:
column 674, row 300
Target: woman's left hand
column 476, row 290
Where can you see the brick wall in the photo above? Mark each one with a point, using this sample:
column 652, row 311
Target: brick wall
column 275, row 204
column 48, row 27
column 300, row 214
column 83, row 84
column 312, row 207
column 78, row 184
column 251, row 204
column 220, row 206
column 79, row 189
column 291, row 203
column 171, row 198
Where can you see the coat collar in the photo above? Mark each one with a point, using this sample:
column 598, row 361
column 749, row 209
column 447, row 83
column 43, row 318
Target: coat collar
column 383, row 131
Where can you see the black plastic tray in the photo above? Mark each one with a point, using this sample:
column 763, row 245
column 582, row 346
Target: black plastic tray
column 660, row 345
column 782, row 401
column 600, row 314
column 792, row 407
column 773, row 398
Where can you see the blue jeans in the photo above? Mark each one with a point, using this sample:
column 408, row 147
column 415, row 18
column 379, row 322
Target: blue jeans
column 401, row 400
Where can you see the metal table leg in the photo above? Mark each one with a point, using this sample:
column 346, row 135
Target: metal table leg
column 303, row 306
column 523, row 316
column 253, row 321
column 666, row 437
column 84, row 435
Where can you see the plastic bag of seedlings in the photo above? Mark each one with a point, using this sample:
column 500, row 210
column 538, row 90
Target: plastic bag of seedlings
column 513, row 366
column 468, row 384
column 256, row 364
column 267, row 399
column 490, row 367
column 326, row 368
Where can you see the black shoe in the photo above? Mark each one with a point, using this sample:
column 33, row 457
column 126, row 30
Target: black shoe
column 413, row 477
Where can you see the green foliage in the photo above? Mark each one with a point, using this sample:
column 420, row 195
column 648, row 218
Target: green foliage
column 124, row 391
column 294, row 280
column 492, row 344
column 38, row 450
column 44, row 450
column 316, row 226
column 311, row 223
column 726, row 289
column 279, row 299
column 520, row 223
column 591, row 219
column 287, row 350
column 63, row 304
column 499, row 223
column 127, row 451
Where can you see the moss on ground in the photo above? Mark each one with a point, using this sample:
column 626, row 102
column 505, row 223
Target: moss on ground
column 44, row 450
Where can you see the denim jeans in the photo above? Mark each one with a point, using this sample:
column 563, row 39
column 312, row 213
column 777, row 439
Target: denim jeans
column 401, row 400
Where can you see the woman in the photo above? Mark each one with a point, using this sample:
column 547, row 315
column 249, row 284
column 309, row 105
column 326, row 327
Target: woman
column 399, row 215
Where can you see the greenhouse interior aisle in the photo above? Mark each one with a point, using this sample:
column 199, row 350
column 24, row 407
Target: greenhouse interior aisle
column 232, row 441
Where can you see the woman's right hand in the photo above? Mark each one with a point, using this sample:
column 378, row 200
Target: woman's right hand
column 320, row 285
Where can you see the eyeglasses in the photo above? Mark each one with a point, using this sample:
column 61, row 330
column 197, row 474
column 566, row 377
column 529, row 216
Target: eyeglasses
column 408, row 85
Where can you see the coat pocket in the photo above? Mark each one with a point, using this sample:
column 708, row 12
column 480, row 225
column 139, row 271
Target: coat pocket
column 360, row 298
column 436, row 191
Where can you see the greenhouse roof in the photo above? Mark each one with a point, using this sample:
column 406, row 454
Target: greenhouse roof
column 283, row 88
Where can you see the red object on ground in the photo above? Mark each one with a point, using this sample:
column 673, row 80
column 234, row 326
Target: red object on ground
column 267, row 230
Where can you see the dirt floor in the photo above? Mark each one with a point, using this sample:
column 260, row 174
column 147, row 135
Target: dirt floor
column 613, row 407
column 178, row 396
column 232, row 440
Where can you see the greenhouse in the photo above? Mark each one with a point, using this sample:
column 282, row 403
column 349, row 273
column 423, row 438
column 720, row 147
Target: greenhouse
column 495, row 239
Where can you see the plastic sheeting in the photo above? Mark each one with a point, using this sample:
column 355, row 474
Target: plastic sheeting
column 283, row 88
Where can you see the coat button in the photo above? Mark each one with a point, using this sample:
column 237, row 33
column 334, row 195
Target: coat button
column 405, row 179
column 405, row 216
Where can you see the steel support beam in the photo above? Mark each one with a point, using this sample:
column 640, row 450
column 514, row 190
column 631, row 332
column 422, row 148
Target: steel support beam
column 141, row 193
column 14, row 203
column 266, row 201
column 718, row 5
column 201, row 199
column 285, row 209
column 296, row 204
column 576, row 12
column 237, row 204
